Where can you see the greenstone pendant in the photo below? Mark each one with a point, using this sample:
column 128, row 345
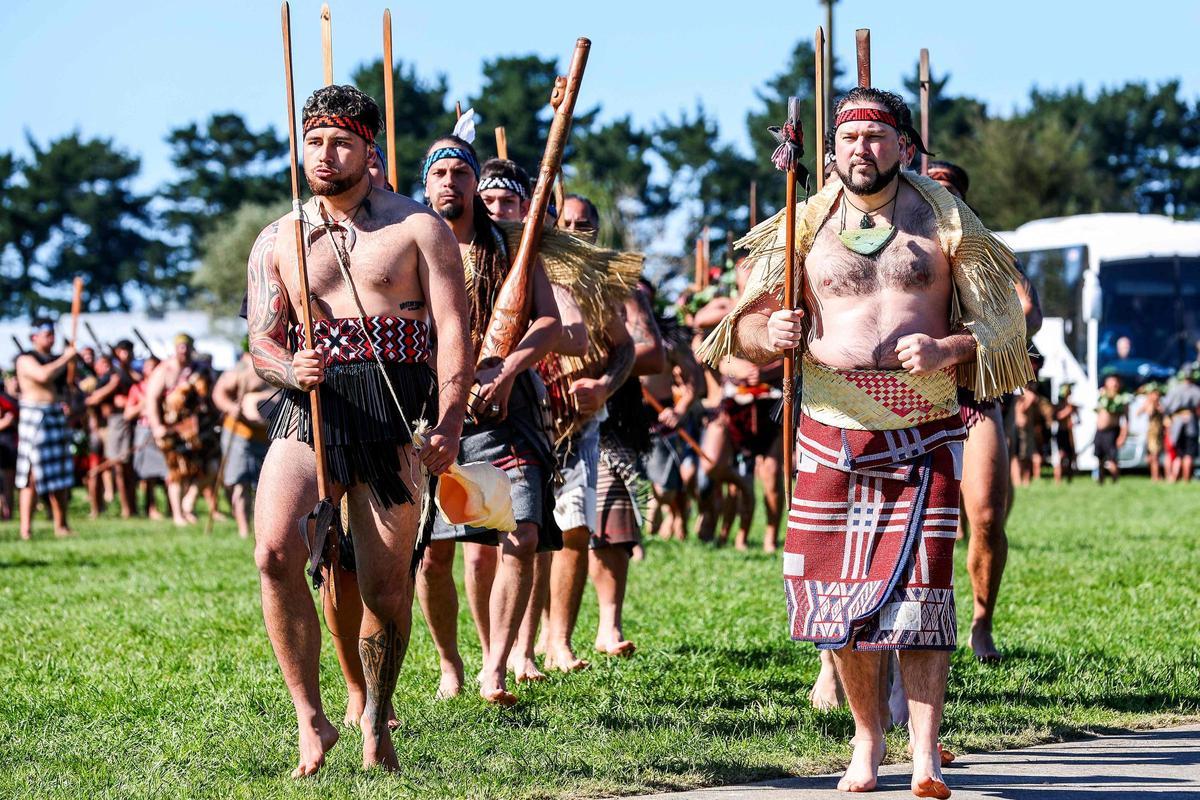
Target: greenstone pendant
column 867, row 241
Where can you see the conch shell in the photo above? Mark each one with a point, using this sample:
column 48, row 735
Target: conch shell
column 478, row 494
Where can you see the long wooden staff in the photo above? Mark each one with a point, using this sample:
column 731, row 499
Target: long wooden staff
column 819, row 101
column 20, row 347
column 699, row 264
column 688, row 439
column 145, row 344
column 76, row 307
column 862, row 41
column 511, row 311
column 923, row 77
column 323, row 513
column 753, row 203
column 327, row 43
column 789, row 303
column 389, row 99
column 501, row 143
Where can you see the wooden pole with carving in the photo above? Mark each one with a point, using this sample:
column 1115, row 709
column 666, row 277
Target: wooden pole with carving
column 923, row 77
column 510, row 314
column 327, row 43
column 76, row 308
column 862, row 41
column 501, row 143
column 789, row 303
column 389, row 99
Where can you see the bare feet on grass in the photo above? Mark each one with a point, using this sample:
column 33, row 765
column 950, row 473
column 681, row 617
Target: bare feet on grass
column 863, row 772
column 563, row 659
column 494, row 690
column 317, row 738
column 525, row 670
column 356, row 703
column 826, row 694
column 927, row 775
column 378, row 751
column 614, row 643
column 450, row 685
column 982, row 643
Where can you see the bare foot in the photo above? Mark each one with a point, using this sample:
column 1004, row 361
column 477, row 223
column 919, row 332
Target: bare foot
column 190, row 519
column 525, row 670
column 493, row 689
column 769, row 546
column 377, row 745
column 316, row 740
column 982, row 644
column 220, row 516
column 826, row 694
column 927, row 775
column 863, row 772
column 638, row 554
column 622, row 648
column 946, row 756
column 26, row 535
column 451, row 685
column 63, row 533
column 154, row 514
column 180, row 522
column 564, row 660
column 355, row 703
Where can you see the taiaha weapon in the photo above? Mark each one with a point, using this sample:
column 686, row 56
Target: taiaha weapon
column 20, row 347
column 327, row 43
column 819, row 99
column 753, row 203
column 76, row 307
column 699, row 265
column 501, row 143
column 510, row 314
column 862, row 41
column 323, row 514
column 787, row 158
column 145, row 344
column 457, row 110
column 923, row 77
column 688, row 439
column 389, row 99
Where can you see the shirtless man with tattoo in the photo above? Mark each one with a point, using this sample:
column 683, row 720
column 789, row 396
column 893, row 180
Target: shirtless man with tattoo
column 374, row 259
column 868, row 559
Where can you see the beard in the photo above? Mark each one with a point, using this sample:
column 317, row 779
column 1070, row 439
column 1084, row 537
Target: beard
column 451, row 209
column 869, row 186
column 335, row 186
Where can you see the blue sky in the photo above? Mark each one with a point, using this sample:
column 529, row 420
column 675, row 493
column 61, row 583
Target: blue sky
column 131, row 71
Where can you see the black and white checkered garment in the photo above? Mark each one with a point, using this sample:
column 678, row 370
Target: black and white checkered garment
column 44, row 449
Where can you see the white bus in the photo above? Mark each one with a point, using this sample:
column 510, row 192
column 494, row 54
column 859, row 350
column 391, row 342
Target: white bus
column 1101, row 278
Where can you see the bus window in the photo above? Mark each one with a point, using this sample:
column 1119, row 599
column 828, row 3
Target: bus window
column 1058, row 277
column 1144, row 300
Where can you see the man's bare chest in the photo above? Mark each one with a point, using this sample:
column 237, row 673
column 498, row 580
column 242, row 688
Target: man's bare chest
column 373, row 262
column 908, row 264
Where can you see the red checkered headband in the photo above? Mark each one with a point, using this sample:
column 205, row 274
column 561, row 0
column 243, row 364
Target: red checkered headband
column 865, row 115
column 334, row 121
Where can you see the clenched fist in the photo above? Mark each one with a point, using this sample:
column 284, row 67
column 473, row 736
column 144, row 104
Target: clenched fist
column 921, row 354
column 785, row 329
column 308, row 369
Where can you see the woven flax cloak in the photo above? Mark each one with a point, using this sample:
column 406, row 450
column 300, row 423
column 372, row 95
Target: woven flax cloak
column 984, row 299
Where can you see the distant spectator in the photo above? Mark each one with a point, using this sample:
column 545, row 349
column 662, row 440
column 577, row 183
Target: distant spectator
column 1181, row 405
column 1112, row 426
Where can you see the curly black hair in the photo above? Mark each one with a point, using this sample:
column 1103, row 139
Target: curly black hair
column 344, row 101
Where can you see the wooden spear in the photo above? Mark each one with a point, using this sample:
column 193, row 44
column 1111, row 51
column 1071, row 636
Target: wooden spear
column 819, row 101
column 688, row 439
column 389, row 99
column 698, row 265
column 76, row 308
column 501, row 143
column 327, row 43
column 789, row 303
column 457, row 110
column 510, row 314
column 322, row 515
column 753, row 203
column 923, row 76
column 862, row 40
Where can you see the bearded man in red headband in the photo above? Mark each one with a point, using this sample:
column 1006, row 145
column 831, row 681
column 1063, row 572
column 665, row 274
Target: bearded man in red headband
column 375, row 261
column 906, row 297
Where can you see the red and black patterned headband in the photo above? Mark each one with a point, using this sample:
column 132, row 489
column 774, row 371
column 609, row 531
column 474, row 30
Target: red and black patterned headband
column 333, row 121
column 861, row 114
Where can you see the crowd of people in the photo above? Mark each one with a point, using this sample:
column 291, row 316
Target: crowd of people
column 613, row 412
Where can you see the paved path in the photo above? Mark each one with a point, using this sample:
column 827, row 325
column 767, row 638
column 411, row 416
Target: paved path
column 1164, row 762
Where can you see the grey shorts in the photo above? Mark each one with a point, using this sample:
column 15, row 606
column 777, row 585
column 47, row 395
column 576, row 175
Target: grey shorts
column 664, row 461
column 505, row 447
column 243, row 458
column 118, row 441
column 148, row 461
column 575, row 500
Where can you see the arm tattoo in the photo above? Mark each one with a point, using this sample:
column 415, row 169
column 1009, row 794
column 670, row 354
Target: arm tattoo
column 268, row 313
column 381, row 654
column 642, row 327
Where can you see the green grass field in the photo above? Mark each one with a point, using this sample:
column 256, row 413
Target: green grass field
column 135, row 664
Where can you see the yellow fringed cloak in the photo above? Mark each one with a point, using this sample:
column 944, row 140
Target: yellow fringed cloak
column 984, row 299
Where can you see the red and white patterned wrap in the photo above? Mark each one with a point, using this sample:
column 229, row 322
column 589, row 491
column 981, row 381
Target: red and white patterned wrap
column 400, row 340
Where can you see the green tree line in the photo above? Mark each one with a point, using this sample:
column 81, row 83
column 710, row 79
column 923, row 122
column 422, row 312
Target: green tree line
column 70, row 208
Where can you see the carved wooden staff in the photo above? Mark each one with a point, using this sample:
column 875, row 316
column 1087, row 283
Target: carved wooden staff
column 923, row 77
column 862, row 41
column 76, row 307
column 322, row 515
column 510, row 315
column 501, row 143
column 327, row 43
column 819, row 99
column 789, row 302
column 389, row 100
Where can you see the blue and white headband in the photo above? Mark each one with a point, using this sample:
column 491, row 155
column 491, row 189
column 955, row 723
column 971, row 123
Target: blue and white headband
column 507, row 184
column 461, row 153
column 45, row 327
